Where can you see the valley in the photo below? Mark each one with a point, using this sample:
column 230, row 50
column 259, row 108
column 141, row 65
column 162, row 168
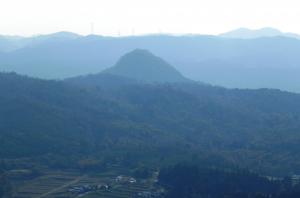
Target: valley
column 52, row 184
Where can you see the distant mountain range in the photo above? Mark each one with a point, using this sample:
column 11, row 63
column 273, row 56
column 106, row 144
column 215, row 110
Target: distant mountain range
column 11, row 43
column 245, row 33
column 264, row 62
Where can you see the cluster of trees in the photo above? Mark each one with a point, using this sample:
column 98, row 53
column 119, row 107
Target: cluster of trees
column 5, row 185
column 142, row 172
column 191, row 181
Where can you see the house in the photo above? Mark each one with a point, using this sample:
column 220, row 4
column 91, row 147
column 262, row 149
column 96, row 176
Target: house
column 125, row 179
column 295, row 179
column 88, row 188
column 103, row 187
column 132, row 180
column 149, row 194
column 119, row 178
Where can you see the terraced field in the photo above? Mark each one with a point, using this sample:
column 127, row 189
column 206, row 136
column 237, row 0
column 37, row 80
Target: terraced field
column 121, row 191
column 55, row 184
column 52, row 184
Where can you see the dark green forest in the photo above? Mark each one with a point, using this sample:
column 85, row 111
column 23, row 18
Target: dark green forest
column 191, row 181
column 155, row 123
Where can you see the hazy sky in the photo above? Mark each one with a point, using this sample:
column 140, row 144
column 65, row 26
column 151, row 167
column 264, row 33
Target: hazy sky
column 27, row 17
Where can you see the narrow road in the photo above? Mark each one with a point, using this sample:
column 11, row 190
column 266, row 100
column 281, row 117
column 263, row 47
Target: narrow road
column 61, row 187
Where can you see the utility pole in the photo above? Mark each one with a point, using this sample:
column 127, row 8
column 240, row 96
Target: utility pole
column 92, row 28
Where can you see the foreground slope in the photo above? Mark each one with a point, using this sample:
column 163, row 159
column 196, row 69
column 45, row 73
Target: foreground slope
column 153, row 123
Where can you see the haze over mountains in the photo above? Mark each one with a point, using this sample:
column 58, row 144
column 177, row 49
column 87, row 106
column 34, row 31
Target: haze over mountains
column 263, row 62
column 245, row 33
column 11, row 43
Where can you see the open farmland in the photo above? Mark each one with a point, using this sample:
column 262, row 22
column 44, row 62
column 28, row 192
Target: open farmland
column 56, row 184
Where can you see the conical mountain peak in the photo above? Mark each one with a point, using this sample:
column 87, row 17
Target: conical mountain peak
column 142, row 65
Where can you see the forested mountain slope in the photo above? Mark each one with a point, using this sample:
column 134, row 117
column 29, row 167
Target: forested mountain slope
column 136, row 122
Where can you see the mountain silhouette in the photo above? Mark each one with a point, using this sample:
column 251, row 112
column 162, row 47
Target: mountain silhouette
column 142, row 65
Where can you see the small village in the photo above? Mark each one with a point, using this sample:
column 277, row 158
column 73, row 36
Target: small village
column 113, row 182
column 121, row 181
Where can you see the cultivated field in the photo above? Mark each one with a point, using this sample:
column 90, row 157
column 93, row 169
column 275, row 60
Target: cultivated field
column 55, row 184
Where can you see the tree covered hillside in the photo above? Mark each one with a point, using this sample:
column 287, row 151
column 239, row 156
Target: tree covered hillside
column 152, row 122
